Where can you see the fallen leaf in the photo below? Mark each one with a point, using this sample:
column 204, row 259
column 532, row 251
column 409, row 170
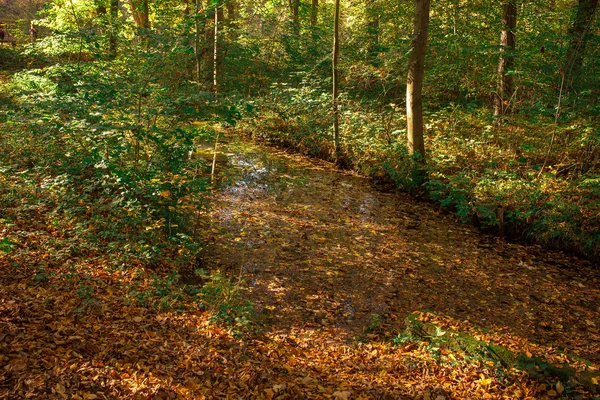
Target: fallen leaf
column 60, row 388
column 345, row 395
column 279, row 388
column 269, row 394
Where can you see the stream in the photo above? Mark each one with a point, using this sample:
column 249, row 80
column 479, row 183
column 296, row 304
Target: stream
column 322, row 248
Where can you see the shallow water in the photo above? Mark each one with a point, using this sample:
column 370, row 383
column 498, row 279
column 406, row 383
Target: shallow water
column 324, row 248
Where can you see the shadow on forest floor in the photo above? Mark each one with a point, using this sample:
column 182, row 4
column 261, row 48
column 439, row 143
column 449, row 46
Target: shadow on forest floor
column 323, row 248
column 333, row 268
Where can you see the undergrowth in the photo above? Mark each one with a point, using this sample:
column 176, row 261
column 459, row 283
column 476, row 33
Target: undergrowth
column 96, row 178
column 453, row 343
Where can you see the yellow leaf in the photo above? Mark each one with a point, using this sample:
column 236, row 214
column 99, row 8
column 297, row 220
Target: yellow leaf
column 595, row 381
column 559, row 387
column 269, row 394
column 485, row 381
column 60, row 388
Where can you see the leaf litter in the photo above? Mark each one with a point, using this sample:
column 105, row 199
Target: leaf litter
column 333, row 268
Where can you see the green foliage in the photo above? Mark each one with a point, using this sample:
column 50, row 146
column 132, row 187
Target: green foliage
column 121, row 171
column 299, row 114
column 105, row 144
column 5, row 245
column 163, row 293
column 226, row 303
column 472, row 169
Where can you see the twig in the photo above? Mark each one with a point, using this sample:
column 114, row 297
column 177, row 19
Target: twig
column 555, row 126
column 214, row 163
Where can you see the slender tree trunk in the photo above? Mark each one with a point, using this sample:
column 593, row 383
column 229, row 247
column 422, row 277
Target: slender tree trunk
column 189, row 64
column 414, row 84
column 504, row 92
column 294, row 7
column 336, row 83
column 112, row 39
column 314, row 13
column 580, row 33
column 231, row 27
column 215, row 59
column 373, row 31
column 207, row 53
column 197, row 49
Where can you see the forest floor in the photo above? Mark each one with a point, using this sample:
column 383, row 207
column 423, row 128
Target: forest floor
column 333, row 268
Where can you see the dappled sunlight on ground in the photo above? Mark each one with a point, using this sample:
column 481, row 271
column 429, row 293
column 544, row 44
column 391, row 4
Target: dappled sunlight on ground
column 341, row 252
column 333, row 268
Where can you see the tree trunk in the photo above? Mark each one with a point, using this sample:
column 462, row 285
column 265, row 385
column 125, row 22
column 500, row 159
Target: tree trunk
column 314, row 13
column 580, row 33
column 231, row 26
column 336, row 83
column 414, row 84
column 208, row 48
column 230, row 6
column 215, row 50
column 373, row 31
column 504, row 91
column 139, row 11
column 197, row 50
column 295, row 6
column 112, row 38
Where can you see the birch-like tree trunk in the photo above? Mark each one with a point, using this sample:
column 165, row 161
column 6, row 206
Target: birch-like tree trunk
column 215, row 52
column 197, row 49
column 504, row 92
